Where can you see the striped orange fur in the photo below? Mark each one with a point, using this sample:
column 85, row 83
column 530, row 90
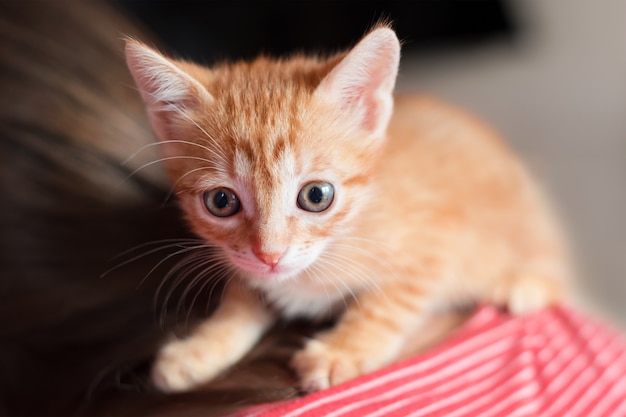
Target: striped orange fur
column 430, row 209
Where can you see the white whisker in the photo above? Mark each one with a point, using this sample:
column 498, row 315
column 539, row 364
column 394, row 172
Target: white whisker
column 157, row 242
column 208, row 136
column 327, row 275
column 314, row 272
column 218, row 274
column 371, row 254
column 182, row 112
column 183, row 269
column 167, row 258
column 173, row 187
column 213, row 266
column 168, row 158
column 226, row 284
column 352, row 268
column 177, row 243
column 227, row 272
column 164, row 142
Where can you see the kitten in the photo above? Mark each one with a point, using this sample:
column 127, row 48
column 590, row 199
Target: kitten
column 325, row 195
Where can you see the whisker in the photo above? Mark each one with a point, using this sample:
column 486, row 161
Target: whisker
column 181, row 112
column 230, row 279
column 167, row 158
column 349, row 289
column 208, row 136
column 164, row 142
column 184, row 250
column 342, row 246
column 364, row 278
column 218, row 274
column 157, row 242
column 184, row 267
column 330, row 279
column 189, row 266
column 370, row 254
column 213, row 265
column 374, row 243
column 312, row 273
column 215, row 282
column 177, row 243
column 352, row 267
column 364, row 275
column 309, row 273
column 173, row 187
column 99, row 378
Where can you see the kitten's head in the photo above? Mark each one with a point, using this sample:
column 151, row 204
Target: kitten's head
column 271, row 158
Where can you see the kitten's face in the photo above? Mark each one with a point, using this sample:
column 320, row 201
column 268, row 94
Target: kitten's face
column 270, row 159
column 270, row 190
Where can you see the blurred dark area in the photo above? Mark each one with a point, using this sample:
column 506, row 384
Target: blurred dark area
column 207, row 30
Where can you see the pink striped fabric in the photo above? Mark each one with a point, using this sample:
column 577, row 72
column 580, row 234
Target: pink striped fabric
column 556, row 362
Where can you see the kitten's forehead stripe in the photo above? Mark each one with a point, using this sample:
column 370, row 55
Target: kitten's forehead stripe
column 263, row 100
column 280, row 148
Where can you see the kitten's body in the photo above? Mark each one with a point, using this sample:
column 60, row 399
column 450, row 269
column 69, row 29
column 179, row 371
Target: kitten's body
column 430, row 210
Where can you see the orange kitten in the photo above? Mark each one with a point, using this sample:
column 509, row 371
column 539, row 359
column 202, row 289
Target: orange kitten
column 322, row 200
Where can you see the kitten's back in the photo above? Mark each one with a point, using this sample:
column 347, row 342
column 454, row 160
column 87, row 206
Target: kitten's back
column 464, row 192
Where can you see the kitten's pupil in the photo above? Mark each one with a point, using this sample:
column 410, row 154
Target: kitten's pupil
column 220, row 199
column 316, row 195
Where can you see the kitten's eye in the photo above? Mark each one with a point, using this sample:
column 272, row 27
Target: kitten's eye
column 316, row 196
column 221, row 202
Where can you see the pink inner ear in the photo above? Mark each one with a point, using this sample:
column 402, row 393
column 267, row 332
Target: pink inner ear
column 363, row 81
column 166, row 89
column 370, row 99
column 161, row 81
column 363, row 97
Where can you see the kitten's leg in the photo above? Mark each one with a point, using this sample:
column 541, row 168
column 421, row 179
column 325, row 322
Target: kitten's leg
column 371, row 334
column 216, row 344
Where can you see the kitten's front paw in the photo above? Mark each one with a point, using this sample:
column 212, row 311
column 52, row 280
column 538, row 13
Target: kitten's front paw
column 183, row 365
column 319, row 366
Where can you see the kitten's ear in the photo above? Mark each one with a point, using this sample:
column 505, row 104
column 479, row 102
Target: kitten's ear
column 362, row 83
column 166, row 89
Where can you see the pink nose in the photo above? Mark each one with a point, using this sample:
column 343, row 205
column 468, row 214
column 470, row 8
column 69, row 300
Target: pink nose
column 270, row 259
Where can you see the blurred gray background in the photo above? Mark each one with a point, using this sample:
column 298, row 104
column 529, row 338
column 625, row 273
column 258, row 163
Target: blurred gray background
column 559, row 97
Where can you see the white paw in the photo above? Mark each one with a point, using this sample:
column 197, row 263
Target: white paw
column 183, row 365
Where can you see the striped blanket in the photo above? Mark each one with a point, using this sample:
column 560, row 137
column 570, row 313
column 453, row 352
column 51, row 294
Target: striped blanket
column 556, row 362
